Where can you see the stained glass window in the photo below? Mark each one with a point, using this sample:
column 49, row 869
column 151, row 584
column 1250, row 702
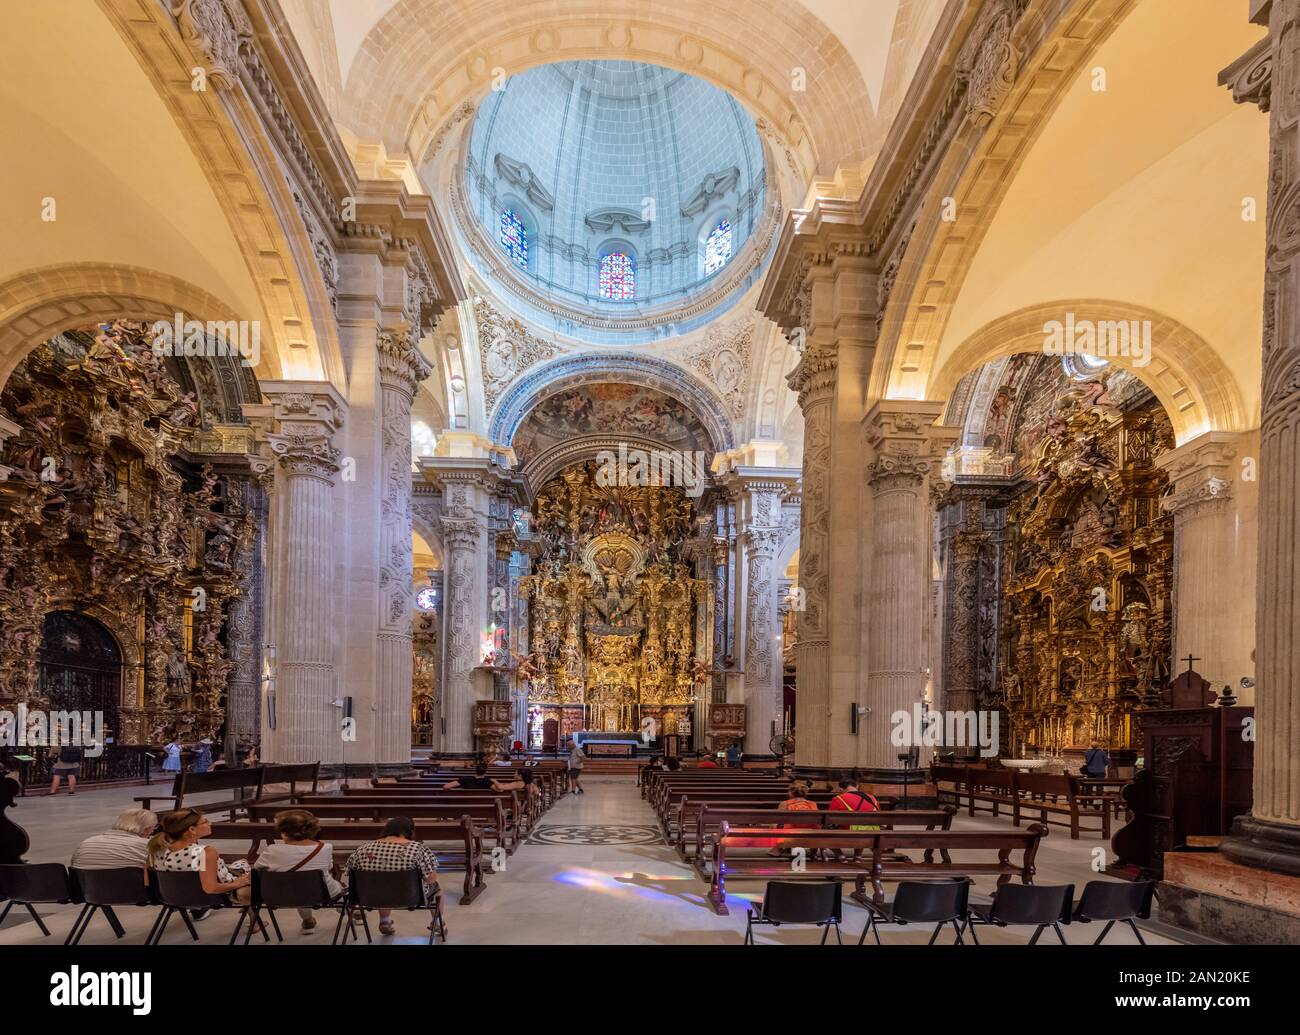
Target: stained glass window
column 617, row 276
column 717, row 247
column 514, row 238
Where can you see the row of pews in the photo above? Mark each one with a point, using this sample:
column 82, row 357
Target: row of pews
column 1065, row 800
column 724, row 822
column 456, row 822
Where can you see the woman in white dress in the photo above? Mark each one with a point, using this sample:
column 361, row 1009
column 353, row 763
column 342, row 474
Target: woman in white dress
column 176, row 848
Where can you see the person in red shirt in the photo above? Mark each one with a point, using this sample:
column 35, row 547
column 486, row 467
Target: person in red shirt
column 706, row 763
column 850, row 799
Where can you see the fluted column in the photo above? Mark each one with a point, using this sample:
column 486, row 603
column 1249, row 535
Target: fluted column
column 1270, row 836
column 401, row 368
column 462, row 540
column 814, row 380
column 762, row 639
column 309, row 415
column 904, row 442
column 1215, row 528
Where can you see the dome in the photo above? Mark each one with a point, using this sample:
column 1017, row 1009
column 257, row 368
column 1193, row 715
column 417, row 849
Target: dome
column 622, row 197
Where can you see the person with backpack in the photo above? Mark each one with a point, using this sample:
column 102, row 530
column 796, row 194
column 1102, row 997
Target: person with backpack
column 850, row 799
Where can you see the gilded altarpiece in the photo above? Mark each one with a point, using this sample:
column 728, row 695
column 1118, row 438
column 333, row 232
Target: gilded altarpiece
column 620, row 625
column 1058, row 576
column 131, row 500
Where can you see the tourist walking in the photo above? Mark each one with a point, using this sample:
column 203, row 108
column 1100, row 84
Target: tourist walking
column 576, row 760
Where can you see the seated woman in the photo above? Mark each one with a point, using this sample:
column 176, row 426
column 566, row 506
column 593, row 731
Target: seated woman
column 176, row 848
column 797, row 802
column 127, row 844
column 396, row 850
column 298, row 849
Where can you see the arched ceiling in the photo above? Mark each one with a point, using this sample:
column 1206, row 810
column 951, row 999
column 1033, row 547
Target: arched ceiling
column 85, row 127
column 1133, row 193
column 827, row 76
column 614, row 156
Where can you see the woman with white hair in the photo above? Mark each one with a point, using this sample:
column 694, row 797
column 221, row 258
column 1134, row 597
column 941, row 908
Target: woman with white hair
column 127, row 844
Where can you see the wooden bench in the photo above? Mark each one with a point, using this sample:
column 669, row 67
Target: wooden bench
column 1048, row 795
column 709, row 816
column 467, row 855
column 875, row 857
column 505, row 826
column 254, row 779
column 488, row 814
column 684, row 819
column 1060, row 795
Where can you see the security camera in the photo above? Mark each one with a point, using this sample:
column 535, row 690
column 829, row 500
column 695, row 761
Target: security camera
column 1247, row 682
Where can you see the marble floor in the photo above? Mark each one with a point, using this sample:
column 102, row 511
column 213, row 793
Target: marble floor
column 594, row 872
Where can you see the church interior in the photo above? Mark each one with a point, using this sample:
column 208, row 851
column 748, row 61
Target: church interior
column 547, row 443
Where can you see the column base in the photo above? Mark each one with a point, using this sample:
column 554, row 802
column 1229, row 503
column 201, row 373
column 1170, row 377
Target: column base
column 1218, row 898
column 1265, row 845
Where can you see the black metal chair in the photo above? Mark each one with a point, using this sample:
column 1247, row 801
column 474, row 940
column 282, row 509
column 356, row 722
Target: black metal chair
column 790, row 902
column 1017, row 905
column 289, row 889
column 29, row 884
column 178, row 893
column 398, row 889
column 1115, row 902
column 922, row 902
column 101, row 890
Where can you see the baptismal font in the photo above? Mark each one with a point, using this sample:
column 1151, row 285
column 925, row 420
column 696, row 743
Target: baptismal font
column 618, row 622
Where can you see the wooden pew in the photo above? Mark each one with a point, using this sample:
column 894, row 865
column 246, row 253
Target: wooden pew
column 1060, row 795
column 250, row 784
column 684, row 818
column 710, row 817
column 875, row 857
column 1070, row 796
column 488, row 814
column 499, row 820
column 462, row 833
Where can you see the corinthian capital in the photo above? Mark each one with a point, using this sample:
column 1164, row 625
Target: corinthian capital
column 460, row 533
column 306, row 454
column 401, row 365
column 763, row 541
column 814, row 377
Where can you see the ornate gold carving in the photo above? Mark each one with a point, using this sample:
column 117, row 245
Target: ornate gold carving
column 613, row 606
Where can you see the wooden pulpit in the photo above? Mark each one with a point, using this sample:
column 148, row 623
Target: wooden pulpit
column 1195, row 777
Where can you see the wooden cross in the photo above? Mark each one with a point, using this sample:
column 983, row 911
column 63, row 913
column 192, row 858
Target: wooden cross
column 1189, row 659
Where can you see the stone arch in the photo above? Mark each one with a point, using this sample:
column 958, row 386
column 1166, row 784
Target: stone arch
column 1185, row 373
column 550, row 378
column 424, row 43
column 245, row 173
column 38, row 304
column 975, row 172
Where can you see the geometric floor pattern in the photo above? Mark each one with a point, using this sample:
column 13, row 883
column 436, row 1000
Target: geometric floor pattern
column 596, row 834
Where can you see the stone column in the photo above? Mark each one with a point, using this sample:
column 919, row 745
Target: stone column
column 469, row 549
column 401, row 368
column 462, row 537
column 762, row 639
column 905, row 442
column 1270, row 836
column 1215, row 528
column 758, row 493
column 309, row 415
